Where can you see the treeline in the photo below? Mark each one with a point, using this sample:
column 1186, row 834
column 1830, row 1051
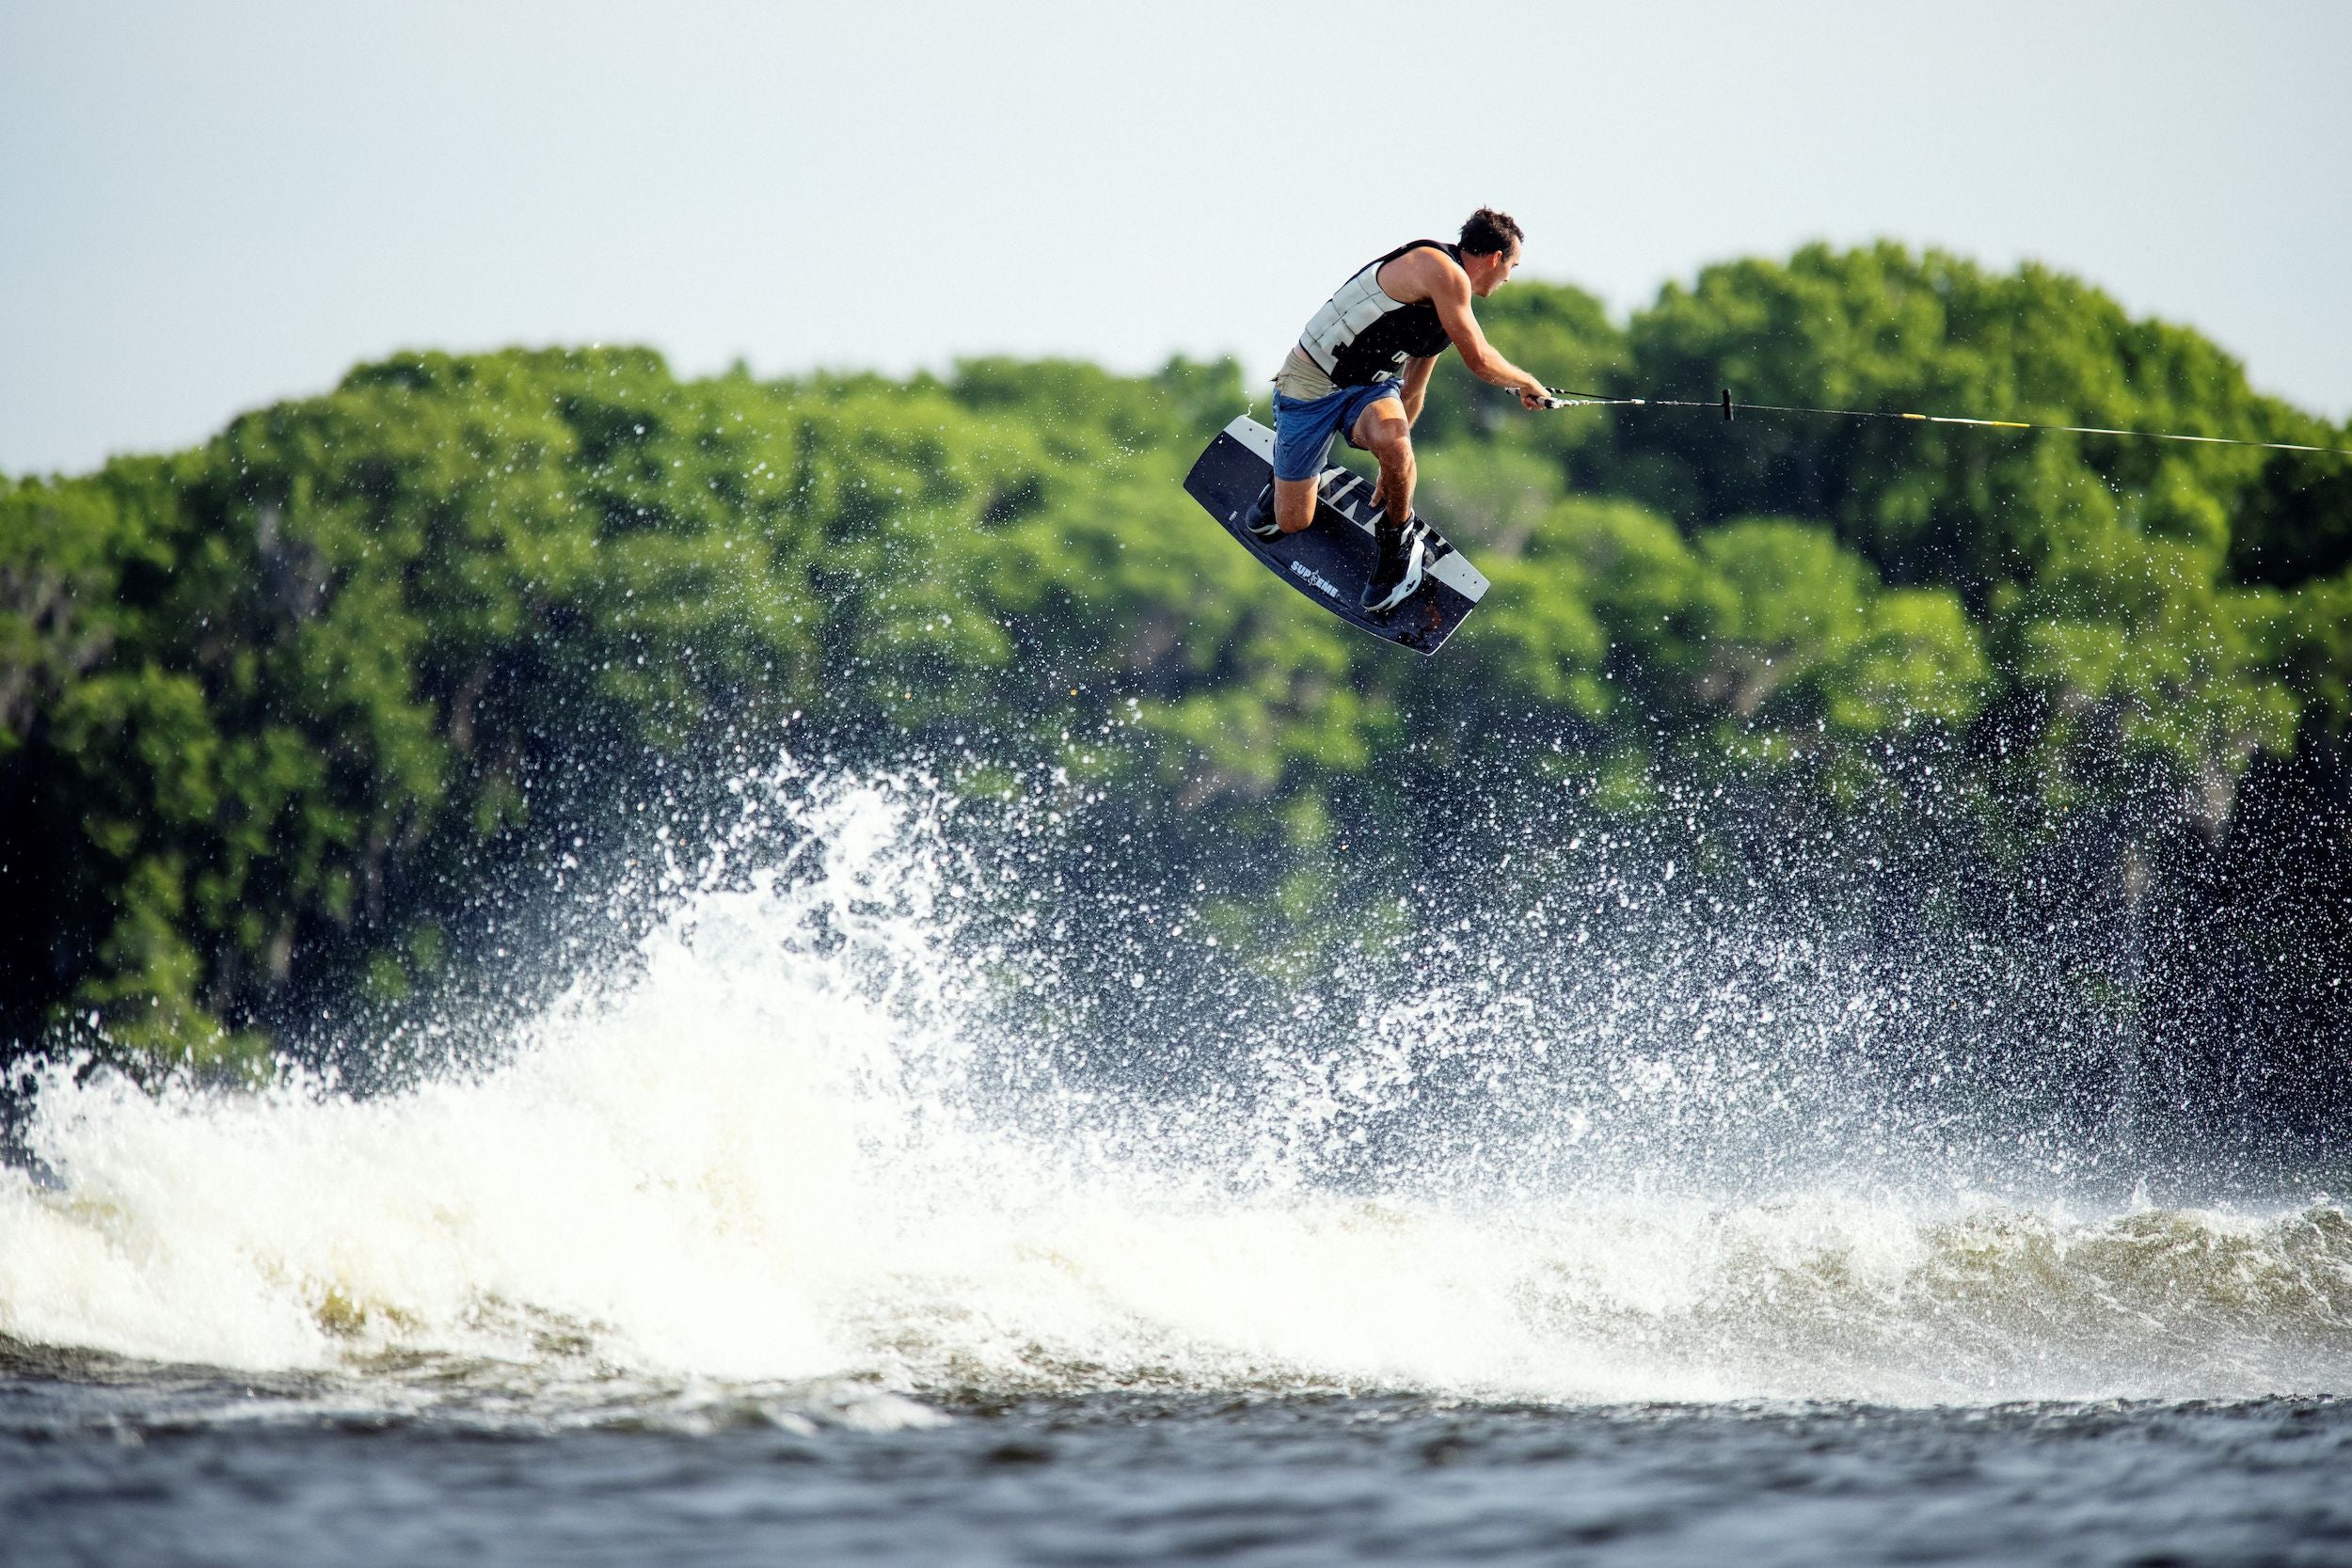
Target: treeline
column 271, row 708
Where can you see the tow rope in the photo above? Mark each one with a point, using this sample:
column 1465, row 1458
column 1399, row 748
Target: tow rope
column 1561, row 398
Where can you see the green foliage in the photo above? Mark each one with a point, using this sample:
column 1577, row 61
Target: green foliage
column 1764, row 636
column 268, row 709
column 2140, row 657
column 1879, row 328
column 2316, row 648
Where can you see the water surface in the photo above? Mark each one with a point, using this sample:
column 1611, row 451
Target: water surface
column 866, row 1210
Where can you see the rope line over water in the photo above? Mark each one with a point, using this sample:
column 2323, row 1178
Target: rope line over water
column 1729, row 407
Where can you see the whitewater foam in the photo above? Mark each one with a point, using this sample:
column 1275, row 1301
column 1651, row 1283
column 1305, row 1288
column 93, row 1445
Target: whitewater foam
column 807, row 1143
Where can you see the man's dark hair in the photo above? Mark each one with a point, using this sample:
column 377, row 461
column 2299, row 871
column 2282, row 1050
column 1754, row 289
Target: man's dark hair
column 1489, row 232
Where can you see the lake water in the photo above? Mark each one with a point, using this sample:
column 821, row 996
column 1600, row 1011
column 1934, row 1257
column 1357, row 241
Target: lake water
column 189, row 1468
column 862, row 1210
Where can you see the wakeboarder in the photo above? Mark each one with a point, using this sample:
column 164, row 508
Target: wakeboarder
column 1362, row 367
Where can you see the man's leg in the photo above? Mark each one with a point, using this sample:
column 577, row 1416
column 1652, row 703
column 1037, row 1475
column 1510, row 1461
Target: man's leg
column 1294, row 502
column 1383, row 431
column 1302, row 439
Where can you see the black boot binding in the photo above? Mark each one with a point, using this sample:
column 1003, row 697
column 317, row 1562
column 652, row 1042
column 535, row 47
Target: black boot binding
column 1259, row 519
column 1397, row 575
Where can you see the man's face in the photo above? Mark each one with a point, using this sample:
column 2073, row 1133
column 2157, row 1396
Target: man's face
column 1493, row 271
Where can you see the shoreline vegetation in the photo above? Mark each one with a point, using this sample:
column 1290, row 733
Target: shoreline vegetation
column 273, row 710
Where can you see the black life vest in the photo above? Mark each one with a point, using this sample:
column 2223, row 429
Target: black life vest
column 1361, row 336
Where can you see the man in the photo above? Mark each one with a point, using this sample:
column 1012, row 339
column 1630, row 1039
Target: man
column 1363, row 367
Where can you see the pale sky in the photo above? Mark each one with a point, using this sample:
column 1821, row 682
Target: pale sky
column 206, row 206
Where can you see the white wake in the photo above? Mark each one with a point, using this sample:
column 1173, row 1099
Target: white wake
column 771, row 1157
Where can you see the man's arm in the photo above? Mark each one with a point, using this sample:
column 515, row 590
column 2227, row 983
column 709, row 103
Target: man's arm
column 1416, row 386
column 1450, row 292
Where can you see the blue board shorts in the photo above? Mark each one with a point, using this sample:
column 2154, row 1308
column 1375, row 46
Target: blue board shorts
column 1303, row 427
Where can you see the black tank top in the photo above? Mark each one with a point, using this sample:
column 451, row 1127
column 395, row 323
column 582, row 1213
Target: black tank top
column 1361, row 336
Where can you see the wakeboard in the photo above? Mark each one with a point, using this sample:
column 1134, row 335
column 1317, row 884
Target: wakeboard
column 1331, row 561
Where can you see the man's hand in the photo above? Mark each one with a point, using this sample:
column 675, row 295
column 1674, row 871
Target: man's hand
column 1534, row 395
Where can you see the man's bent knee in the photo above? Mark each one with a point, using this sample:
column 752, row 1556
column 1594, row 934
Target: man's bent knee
column 1384, row 434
